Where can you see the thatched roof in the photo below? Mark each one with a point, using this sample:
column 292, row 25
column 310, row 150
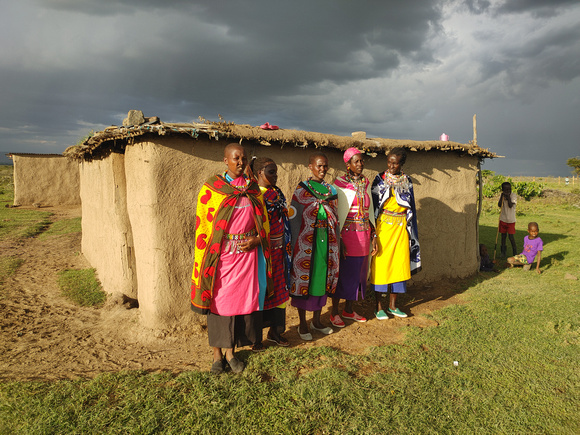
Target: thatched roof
column 116, row 138
column 10, row 155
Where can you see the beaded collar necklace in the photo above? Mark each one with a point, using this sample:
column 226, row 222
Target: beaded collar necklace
column 324, row 195
column 391, row 179
column 230, row 179
column 357, row 182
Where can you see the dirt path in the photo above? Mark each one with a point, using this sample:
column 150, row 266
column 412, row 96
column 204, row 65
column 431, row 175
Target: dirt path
column 45, row 336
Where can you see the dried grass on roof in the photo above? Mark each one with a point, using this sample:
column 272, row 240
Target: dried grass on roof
column 115, row 139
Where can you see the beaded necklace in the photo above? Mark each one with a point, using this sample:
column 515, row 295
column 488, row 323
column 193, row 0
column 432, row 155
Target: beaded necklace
column 394, row 179
column 359, row 184
column 324, row 195
column 230, row 179
column 398, row 182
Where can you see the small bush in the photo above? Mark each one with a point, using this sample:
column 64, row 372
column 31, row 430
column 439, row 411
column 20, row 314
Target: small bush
column 524, row 189
column 528, row 189
column 82, row 287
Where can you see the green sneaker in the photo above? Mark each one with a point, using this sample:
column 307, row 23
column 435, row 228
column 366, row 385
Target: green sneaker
column 381, row 315
column 397, row 312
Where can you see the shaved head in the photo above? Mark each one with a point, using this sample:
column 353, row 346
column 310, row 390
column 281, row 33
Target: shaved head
column 315, row 155
column 232, row 146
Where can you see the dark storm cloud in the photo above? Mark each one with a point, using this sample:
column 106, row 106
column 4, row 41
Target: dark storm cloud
column 238, row 54
column 538, row 8
column 546, row 55
column 476, row 6
column 112, row 7
column 396, row 69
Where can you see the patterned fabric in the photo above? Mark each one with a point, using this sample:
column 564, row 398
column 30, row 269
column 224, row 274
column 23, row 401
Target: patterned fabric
column 303, row 214
column 280, row 244
column 215, row 205
column 392, row 261
column 386, row 185
column 354, row 214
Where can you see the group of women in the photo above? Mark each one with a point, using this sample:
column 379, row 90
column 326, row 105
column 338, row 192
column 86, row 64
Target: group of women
column 252, row 251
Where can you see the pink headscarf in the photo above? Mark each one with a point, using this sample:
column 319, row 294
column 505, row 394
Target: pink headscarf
column 349, row 153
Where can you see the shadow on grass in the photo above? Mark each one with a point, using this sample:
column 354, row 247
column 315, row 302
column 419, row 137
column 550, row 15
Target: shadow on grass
column 487, row 236
column 446, row 289
column 552, row 260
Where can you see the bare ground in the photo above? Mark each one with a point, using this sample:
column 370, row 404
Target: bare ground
column 44, row 336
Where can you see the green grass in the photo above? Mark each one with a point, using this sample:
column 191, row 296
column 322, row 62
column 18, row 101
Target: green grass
column 82, row 287
column 516, row 342
column 15, row 223
column 61, row 227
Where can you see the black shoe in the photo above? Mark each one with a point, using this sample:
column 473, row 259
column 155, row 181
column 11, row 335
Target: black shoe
column 217, row 367
column 236, row 365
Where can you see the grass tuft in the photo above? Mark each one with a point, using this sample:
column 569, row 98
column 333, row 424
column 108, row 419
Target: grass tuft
column 61, row 227
column 82, row 287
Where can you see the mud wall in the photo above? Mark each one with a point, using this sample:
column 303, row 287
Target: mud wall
column 48, row 180
column 445, row 196
column 139, row 214
column 107, row 240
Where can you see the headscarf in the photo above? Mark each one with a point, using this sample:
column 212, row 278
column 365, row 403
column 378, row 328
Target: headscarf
column 349, row 153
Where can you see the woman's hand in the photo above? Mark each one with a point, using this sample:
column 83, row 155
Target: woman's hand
column 374, row 246
column 249, row 244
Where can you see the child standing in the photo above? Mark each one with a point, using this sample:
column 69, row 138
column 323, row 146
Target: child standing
column 533, row 247
column 507, row 217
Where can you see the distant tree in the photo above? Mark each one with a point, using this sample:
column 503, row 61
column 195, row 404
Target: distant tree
column 574, row 163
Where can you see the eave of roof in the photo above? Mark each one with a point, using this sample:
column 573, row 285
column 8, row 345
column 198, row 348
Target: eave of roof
column 115, row 138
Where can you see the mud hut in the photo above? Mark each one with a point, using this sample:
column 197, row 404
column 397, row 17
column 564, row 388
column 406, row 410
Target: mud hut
column 45, row 180
column 139, row 185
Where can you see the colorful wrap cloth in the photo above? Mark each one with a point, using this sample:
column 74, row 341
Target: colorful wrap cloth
column 280, row 244
column 356, row 217
column 384, row 186
column 215, row 205
column 306, row 207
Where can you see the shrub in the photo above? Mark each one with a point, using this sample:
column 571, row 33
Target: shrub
column 524, row 189
column 528, row 189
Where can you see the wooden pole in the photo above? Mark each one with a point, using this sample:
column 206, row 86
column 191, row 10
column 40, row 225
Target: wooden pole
column 475, row 129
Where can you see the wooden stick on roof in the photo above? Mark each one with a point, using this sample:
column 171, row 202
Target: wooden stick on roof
column 475, row 129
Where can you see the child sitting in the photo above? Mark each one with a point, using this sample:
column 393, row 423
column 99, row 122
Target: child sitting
column 533, row 247
column 485, row 265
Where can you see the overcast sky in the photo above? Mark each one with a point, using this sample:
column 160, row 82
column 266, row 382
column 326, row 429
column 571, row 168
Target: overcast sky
column 410, row 69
